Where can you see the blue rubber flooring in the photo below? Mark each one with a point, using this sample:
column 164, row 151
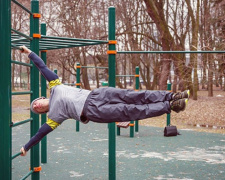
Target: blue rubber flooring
column 149, row 155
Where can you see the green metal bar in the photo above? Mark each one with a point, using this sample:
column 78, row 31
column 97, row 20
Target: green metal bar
column 21, row 34
column 20, row 5
column 34, row 28
column 61, row 47
column 43, row 93
column 118, row 131
column 63, row 42
column 27, row 175
column 69, row 84
column 15, row 47
column 5, row 91
column 94, row 67
column 131, row 129
column 19, row 40
column 22, row 93
column 16, row 155
column 75, row 39
column 168, row 115
column 124, row 75
column 112, row 83
column 22, row 122
column 78, row 86
column 166, row 52
column 21, row 63
column 137, row 81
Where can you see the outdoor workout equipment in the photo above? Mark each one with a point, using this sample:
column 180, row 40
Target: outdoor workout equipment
column 42, row 42
column 130, row 124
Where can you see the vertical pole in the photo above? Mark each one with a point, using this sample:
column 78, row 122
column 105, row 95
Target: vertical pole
column 168, row 115
column 34, row 29
column 137, row 81
column 5, row 90
column 118, row 131
column 78, row 86
column 112, row 83
column 43, row 93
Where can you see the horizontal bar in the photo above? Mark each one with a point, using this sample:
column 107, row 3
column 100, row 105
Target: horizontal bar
column 22, row 93
column 15, row 47
column 28, row 174
column 125, row 75
column 21, row 63
column 19, row 40
column 21, row 34
column 22, row 122
column 16, row 155
column 71, row 84
column 166, row 52
column 42, row 47
column 74, row 39
column 20, row 5
column 94, row 67
column 66, row 42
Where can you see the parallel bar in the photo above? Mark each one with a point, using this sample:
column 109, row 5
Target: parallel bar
column 43, row 47
column 16, row 155
column 27, row 175
column 125, row 75
column 74, row 39
column 94, row 67
column 22, row 122
column 21, row 63
column 20, row 5
column 19, row 40
column 15, row 47
column 21, row 34
column 53, row 41
column 166, row 52
column 22, row 93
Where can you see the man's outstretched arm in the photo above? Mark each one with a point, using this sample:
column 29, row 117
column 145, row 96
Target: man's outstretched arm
column 39, row 63
column 46, row 128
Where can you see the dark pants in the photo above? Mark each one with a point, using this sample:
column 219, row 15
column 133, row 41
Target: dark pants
column 105, row 105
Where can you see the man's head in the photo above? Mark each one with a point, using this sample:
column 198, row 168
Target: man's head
column 40, row 105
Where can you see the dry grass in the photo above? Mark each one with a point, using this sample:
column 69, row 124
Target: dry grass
column 206, row 111
column 206, row 114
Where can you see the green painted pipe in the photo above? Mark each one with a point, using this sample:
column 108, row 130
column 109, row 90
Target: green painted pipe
column 43, row 93
column 78, row 86
column 137, row 82
column 166, row 52
column 22, row 93
column 22, row 122
column 34, row 76
column 168, row 115
column 112, row 83
column 21, row 63
column 5, row 90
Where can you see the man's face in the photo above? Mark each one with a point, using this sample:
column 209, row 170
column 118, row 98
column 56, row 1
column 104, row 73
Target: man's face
column 41, row 105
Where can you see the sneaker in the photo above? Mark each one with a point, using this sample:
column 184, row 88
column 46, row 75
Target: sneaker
column 179, row 105
column 181, row 95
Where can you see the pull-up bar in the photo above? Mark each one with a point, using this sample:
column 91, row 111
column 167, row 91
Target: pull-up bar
column 166, row 52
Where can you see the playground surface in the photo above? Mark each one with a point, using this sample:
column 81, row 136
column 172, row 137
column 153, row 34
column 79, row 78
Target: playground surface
column 149, row 155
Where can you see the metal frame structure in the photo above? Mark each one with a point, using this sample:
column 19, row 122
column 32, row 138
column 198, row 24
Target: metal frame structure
column 37, row 42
